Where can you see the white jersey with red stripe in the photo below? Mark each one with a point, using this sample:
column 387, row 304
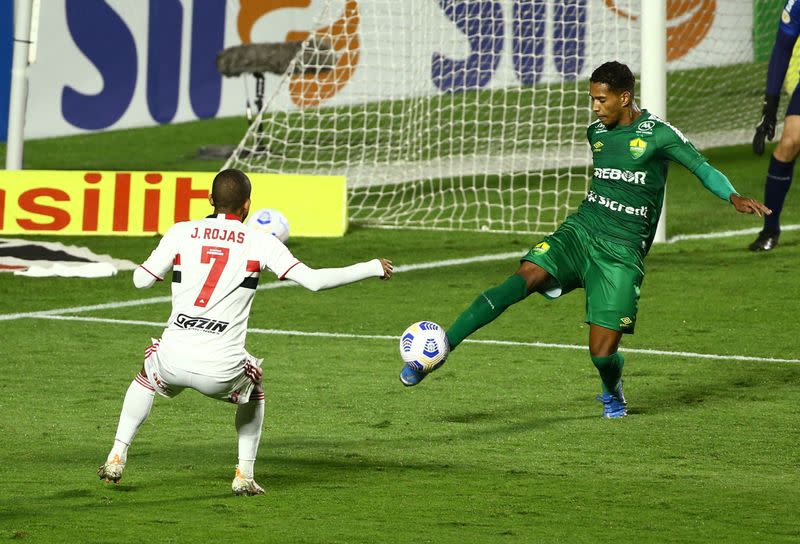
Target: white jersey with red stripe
column 215, row 265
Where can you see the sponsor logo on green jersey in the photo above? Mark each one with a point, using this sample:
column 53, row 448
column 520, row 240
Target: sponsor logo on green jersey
column 637, row 178
column 637, row 147
column 597, row 146
column 646, row 127
column 615, row 206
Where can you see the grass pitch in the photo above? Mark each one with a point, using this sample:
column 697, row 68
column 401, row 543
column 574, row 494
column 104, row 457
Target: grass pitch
column 503, row 444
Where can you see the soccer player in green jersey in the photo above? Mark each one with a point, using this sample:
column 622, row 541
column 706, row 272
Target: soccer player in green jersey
column 601, row 246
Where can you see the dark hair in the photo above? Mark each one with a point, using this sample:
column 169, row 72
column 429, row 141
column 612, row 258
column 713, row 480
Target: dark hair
column 230, row 190
column 616, row 75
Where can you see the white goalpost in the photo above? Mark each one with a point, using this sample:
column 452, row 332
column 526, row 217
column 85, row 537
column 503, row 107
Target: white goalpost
column 471, row 115
column 25, row 19
column 653, row 79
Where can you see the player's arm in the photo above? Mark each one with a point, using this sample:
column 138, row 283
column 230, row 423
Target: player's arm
column 328, row 278
column 676, row 147
column 278, row 258
column 788, row 31
column 159, row 262
column 719, row 184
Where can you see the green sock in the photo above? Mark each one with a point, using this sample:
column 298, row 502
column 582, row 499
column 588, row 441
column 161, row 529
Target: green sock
column 610, row 369
column 486, row 308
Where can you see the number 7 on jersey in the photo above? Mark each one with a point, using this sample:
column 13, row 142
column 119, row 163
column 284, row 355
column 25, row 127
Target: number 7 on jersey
column 219, row 256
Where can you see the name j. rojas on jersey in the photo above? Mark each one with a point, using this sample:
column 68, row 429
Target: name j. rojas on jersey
column 637, row 178
column 616, row 206
column 204, row 324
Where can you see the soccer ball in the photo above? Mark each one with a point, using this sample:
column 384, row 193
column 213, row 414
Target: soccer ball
column 424, row 347
column 271, row 221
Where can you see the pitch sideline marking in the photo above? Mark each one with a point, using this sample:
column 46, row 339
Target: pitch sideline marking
column 320, row 334
column 672, row 240
column 724, row 234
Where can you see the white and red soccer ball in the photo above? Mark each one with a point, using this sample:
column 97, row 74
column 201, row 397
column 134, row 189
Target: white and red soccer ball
column 424, row 347
column 271, row 221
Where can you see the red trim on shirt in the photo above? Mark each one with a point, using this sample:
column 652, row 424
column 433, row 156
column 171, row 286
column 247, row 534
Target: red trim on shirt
column 177, row 259
column 253, row 266
column 230, row 216
column 283, row 276
column 146, row 270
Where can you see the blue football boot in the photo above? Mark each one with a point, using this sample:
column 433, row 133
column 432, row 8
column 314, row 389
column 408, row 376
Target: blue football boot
column 410, row 377
column 614, row 405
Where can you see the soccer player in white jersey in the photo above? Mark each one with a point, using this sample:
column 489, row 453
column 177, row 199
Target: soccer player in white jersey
column 215, row 265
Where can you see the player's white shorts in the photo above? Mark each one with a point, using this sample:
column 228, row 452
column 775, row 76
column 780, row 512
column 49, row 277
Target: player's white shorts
column 169, row 380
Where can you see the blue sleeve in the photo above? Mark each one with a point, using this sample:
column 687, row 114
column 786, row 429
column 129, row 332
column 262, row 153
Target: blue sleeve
column 788, row 31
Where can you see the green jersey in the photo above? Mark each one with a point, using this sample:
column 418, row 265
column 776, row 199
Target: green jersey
column 630, row 171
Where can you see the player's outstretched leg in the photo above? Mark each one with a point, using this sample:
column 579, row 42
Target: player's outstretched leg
column 135, row 409
column 249, row 420
column 483, row 310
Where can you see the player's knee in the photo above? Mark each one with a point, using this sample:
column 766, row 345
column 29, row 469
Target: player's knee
column 788, row 147
column 534, row 275
column 601, row 351
column 604, row 345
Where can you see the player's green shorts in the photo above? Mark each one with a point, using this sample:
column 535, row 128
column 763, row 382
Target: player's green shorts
column 610, row 273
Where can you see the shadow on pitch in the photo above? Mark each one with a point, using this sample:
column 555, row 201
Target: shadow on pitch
column 741, row 382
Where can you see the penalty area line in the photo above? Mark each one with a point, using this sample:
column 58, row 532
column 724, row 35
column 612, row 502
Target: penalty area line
column 510, row 343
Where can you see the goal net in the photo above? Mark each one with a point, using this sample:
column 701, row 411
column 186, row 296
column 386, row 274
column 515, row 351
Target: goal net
column 472, row 114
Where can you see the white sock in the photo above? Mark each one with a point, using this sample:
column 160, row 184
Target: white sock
column 249, row 419
column 135, row 409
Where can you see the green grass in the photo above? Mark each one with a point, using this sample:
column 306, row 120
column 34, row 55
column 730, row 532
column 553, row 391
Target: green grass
column 503, row 444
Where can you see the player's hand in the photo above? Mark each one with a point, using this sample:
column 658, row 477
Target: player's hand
column 387, row 268
column 749, row 205
column 766, row 128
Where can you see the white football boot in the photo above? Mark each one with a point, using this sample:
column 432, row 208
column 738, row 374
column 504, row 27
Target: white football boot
column 245, row 486
column 111, row 470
